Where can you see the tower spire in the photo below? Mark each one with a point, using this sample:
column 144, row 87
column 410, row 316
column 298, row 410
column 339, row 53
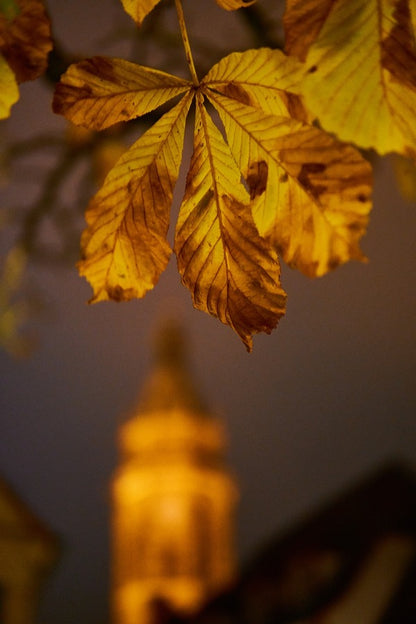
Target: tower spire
column 170, row 386
column 170, row 347
column 173, row 497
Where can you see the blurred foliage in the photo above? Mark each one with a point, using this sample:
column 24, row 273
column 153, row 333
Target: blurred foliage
column 15, row 308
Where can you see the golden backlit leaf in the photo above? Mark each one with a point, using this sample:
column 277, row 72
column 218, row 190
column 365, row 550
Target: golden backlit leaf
column 360, row 78
column 310, row 193
column 25, row 37
column 262, row 78
column 124, row 247
column 303, row 20
column 232, row 5
column 100, row 91
column 9, row 91
column 230, row 270
column 138, row 9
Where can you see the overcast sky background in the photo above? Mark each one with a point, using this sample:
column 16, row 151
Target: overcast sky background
column 329, row 396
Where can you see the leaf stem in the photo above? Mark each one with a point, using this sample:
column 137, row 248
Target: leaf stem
column 186, row 44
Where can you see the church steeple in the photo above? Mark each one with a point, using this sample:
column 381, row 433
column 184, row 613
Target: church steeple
column 170, row 386
column 173, row 498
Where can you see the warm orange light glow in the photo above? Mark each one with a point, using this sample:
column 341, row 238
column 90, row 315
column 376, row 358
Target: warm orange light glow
column 173, row 499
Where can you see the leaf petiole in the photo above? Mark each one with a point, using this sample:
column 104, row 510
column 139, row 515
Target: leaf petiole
column 186, row 44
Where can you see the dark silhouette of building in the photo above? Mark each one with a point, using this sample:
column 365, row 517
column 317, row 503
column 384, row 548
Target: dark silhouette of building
column 352, row 561
column 28, row 550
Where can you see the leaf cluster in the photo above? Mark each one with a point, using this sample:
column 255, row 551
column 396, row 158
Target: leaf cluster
column 276, row 169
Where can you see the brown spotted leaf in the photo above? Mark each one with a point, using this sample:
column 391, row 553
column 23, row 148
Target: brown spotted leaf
column 230, row 270
column 360, row 68
column 25, row 37
column 124, row 247
column 303, row 21
column 100, row 91
column 263, row 78
column 310, row 193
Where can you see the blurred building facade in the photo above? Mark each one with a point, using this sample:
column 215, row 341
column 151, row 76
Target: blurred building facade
column 173, row 498
column 28, row 551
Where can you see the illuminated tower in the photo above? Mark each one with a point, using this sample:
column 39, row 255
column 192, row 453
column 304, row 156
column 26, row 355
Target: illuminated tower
column 173, row 498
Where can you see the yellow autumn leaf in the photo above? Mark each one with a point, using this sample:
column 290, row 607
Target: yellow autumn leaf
column 230, row 270
column 263, row 78
column 232, row 5
column 360, row 76
column 100, row 91
column 138, row 9
column 25, row 37
column 9, row 91
column 303, row 20
column 124, row 247
column 310, row 193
